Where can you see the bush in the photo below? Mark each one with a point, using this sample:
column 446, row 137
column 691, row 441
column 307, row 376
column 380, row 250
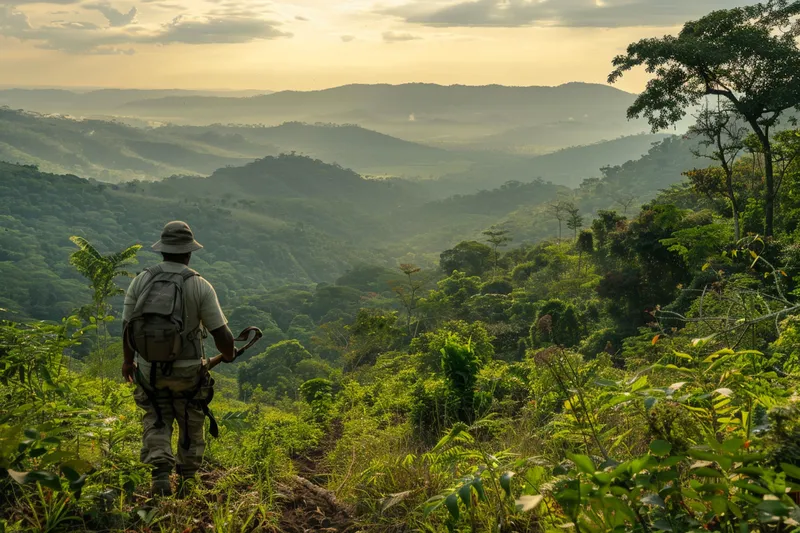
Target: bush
column 557, row 323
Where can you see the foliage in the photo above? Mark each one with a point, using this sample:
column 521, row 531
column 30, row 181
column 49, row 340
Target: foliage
column 748, row 55
column 280, row 370
column 470, row 257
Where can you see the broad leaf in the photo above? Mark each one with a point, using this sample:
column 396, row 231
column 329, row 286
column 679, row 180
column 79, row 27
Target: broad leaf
column 660, row 448
column 528, row 503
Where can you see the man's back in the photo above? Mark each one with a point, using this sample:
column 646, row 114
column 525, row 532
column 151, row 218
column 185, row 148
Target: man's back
column 200, row 300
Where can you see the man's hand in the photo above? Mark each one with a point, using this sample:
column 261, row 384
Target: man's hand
column 128, row 370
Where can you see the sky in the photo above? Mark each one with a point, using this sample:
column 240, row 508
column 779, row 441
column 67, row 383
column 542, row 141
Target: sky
column 315, row 44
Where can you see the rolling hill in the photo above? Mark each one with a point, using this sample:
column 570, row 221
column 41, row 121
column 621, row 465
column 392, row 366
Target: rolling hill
column 113, row 151
column 528, row 120
column 97, row 101
column 448, row 115
column 278, row 220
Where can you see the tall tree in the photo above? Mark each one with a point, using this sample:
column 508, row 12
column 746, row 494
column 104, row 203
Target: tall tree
column 748, row 56
column 559, row 212
column 497, row 237
column 574, row 218
column 408, row 292
column 723, row 136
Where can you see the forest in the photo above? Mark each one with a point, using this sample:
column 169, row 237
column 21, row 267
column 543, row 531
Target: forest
column 619, row 356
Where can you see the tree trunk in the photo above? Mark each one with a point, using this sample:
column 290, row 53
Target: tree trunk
column 769, row 174
column 734, row 207
column 769, row 193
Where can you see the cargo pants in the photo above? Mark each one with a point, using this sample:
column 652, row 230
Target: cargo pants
column 178, row 394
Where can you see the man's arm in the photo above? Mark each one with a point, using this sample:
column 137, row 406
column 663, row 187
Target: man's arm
column 127, row 354
column 127, row 350
column 213, row 318
column 223, row 339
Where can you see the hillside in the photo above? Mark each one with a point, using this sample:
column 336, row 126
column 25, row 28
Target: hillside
column 109, row 151
column 569, row 166
column 113, row 151
column 366, row 151
column 448, row 115
column 265, row 245
column 291, row 219
column 97, row 101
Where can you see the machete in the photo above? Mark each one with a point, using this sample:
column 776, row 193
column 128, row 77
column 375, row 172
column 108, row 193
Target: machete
column 243, row 336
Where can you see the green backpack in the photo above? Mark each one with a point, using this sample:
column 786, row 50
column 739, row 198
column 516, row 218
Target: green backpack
column 156, row 326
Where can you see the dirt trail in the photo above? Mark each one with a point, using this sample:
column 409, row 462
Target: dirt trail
column 308, row 507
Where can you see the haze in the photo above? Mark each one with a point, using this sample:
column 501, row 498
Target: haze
column 314, row 44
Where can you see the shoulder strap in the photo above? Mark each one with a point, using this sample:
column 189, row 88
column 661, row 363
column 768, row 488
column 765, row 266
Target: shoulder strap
column 153, row 270
column 189, row 273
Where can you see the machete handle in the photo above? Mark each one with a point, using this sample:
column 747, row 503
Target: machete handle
column 243, row 336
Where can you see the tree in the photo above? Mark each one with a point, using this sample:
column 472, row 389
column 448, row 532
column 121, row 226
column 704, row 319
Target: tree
column 559, row 212
column 625, row 201
column 720, row 131
column 748, row 56
column 574, row 218
column 469, row 257
column 277, row 369
column 585, row 244
column 408, row 292
column 497, row 237
column 556, row 323
column 605, row 223
column 102, row 272
column 243, row 316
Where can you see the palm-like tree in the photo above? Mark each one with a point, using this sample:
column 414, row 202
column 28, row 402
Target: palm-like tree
column 102, row 272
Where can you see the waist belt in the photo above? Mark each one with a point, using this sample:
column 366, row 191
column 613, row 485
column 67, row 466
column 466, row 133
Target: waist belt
column 144, row 366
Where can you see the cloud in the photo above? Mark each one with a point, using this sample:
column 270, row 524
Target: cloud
column 395, row 37
column 347, row 38
column 570, row 13
column 217, row 30
column 67, row 36
column 115, row 17
column 89, row 38
column 14, row 3
column 301, row 19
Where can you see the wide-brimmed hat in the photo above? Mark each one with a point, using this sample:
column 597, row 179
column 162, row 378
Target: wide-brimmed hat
column 177, row 238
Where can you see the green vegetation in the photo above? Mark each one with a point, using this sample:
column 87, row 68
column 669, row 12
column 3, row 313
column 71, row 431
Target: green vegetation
column 619, row 357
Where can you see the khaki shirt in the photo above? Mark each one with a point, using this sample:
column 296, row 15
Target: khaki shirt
column 201, row 303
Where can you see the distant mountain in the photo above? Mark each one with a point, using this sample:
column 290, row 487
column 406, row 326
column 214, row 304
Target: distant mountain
column 623, row 187
column 366, row 151
column 522, row 120
column 450, row 115
column 104, row 150
column 94, row 102
column 112, row 151
column 569, row 166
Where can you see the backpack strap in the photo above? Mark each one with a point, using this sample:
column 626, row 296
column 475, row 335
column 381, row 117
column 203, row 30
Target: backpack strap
column 189, row 273
column 191, row 399
column 155, row 269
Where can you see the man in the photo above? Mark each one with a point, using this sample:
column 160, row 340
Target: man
column 177, row 391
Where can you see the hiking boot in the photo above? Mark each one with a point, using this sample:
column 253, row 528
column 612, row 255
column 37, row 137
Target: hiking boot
column 161, row 485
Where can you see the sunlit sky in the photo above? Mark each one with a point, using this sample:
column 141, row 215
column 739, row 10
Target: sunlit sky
column 314, row 44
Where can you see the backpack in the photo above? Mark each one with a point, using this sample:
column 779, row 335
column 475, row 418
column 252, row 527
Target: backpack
column 156, row 326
